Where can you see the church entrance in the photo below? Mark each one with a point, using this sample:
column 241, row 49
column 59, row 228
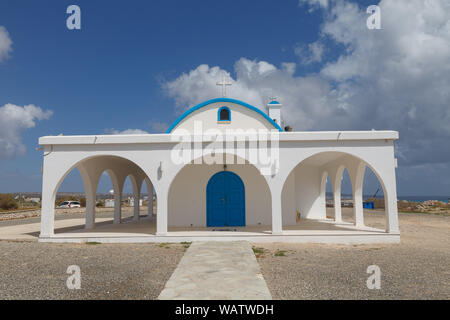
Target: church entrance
column 225, row 200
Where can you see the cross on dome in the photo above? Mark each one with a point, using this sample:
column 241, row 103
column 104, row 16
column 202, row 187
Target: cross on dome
column 224, row 83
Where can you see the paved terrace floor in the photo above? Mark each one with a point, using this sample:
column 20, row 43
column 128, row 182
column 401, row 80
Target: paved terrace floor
column 144, row 230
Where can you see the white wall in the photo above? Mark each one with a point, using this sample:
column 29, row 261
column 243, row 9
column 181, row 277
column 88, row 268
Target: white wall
column 241, row 118
column 288, row 198
column 301, row 192
column 307, row 191
column 187, row 195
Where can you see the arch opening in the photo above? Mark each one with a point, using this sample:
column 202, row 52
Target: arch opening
column 70, row 190
column 374, row 201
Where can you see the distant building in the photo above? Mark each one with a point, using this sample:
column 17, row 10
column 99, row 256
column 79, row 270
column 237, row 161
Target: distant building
column 131, row 202
column 109, row 203
column 36, row 200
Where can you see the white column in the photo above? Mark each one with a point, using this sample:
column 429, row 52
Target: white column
column 150, row 200
column 277, row 222
column 136, row 196
column 90, row 176
column 48, row 203
column 337, row 205
column 117, row 206
column 357, row 177
column 358, row 211
column 323, row 195
column 390, row 203
column 161, row 217
column 90, row 209
column 337, row 181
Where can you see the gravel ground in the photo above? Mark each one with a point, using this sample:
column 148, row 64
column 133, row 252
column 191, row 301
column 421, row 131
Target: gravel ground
column 417, row 268
column 31, row 270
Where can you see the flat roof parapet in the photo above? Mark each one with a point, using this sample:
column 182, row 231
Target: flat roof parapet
column 169, row 138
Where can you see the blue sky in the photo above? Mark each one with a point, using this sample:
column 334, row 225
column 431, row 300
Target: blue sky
column 113, row 73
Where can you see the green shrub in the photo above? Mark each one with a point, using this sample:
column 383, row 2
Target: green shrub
column 7, row 202
column 280, row 253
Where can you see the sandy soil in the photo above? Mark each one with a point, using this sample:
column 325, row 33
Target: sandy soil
column 417, row 268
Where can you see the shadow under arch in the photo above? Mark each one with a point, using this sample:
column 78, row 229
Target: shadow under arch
column 92, row 167
column 314, row 171
column 187, row 193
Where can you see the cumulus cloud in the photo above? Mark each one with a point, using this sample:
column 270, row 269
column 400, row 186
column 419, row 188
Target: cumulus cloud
column 313, row 53
column 314, row 4
column 155, row 126
column 305, row 99
column 397, row 78
column 158, row 126
column 13, row 121
column 127, row 131
column 5, row 44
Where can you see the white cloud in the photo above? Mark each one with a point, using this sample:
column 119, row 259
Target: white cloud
column 13, row 121
column 314, row 4
column 313, row 53
column 155, row 126
column 5, row 44
column 305, row 99
column 396, row 78
column 127, row 131
column 158, row 126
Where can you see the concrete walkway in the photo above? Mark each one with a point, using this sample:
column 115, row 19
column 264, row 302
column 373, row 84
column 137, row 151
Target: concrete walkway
column 30, row 231
column 217, row 270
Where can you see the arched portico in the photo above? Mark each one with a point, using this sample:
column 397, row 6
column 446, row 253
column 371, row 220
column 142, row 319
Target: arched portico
column 310, row 177
column 91, row 168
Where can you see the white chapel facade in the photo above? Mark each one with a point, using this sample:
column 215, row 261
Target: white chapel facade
column 211, row 184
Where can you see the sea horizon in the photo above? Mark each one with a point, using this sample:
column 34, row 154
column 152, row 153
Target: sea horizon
column 400, row 198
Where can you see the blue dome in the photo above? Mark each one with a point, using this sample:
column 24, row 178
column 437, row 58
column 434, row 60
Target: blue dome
column 274, row 102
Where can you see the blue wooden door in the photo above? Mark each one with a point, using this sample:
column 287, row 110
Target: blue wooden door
column 225, row 200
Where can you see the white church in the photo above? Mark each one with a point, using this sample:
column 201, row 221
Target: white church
column 225, row 170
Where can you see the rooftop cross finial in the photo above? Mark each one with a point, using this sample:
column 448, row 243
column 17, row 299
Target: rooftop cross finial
column 275, row 98
column 224, row 83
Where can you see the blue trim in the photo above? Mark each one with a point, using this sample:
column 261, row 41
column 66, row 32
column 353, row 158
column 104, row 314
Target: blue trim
column 229, row 113
column 229, row 100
